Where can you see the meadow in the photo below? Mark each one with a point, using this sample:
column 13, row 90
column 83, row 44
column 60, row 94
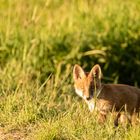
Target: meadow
column 40, row 41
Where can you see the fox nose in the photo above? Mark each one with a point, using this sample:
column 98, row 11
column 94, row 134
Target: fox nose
column 88, row 98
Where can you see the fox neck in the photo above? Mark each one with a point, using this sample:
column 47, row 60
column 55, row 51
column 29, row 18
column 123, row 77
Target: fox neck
column 99, row 90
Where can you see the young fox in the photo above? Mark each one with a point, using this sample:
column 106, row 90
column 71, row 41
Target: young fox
column 105, row 97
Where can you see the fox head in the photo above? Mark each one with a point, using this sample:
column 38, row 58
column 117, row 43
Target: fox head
column 86, row 83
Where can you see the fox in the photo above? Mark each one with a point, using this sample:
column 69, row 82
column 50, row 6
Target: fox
column 105, row 98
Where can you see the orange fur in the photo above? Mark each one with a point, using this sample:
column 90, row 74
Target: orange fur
column 118, row 97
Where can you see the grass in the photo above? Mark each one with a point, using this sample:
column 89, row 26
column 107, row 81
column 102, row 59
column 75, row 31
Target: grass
column 40, row 41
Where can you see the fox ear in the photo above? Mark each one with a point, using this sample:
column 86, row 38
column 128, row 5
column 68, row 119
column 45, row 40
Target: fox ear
column 96, row 71
column 78, row 72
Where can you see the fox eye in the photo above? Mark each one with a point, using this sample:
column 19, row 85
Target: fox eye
column 79, row 77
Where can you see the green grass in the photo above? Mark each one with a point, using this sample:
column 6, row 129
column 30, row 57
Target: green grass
column 40, row 41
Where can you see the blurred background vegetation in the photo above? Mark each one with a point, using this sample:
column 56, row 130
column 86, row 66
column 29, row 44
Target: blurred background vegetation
column 44, row 37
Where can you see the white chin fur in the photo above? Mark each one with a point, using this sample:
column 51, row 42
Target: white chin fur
column 91, row 106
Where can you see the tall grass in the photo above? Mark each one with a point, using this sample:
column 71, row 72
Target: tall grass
column 40, row 41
